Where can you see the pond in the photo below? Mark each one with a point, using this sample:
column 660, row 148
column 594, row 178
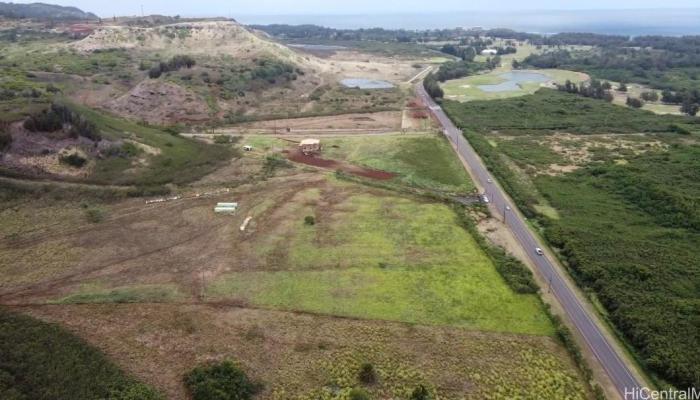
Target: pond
column 513, row 80
column 361, row 83
column 317, row 47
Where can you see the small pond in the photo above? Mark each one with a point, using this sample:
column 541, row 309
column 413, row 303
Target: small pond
column 318, row 47
column 366, row 83
column 513, row 80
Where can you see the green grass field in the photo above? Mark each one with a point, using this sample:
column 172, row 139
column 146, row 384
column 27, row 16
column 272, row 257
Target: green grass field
column 383, row 257
column 466, row 89
column 421, row 160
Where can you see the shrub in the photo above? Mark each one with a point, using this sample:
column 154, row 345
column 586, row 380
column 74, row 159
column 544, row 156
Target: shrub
column 94, row 215
column 358, row 394
column 175, row 63
column 5, row 140
column 74, row 160
column 367, row 374
column 222, row 139
column 222, row 381
column 634, row 102
column 45, row 121
column 43, row 361
column 309, row 220
column 420, row 393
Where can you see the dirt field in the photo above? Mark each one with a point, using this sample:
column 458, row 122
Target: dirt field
column 299, row 157
column 387, row 120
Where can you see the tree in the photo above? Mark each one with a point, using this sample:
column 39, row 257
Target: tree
column 690, row 108
column 222, row 381
column 634, row 102
column 622, row 87
column 650, row 96
column 433, row 87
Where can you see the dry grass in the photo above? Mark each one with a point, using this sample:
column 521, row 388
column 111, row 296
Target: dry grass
column 304, row 356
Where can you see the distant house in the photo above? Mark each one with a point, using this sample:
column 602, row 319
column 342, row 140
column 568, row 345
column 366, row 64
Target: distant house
column 489, row 52
column 309, row 146
column 80, row 31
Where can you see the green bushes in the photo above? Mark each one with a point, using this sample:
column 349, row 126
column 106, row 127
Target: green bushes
column 174, row 64
column 358, row 394
column 57, row 116
column 552, row 110
column 432, row 87
column 222, row 381
column 5, row 140
column 42, row 361
column 45, row 121
column 459, row 69
column 420, row 393
column 367, row 374
column 94, row 215
column 73, row 159
column 628, row 232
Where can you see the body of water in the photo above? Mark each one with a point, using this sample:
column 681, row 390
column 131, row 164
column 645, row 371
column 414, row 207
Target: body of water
column 361, row 83
column 670, row 22
column 513, row 80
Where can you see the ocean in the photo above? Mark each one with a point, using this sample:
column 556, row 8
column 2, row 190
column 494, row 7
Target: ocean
column 669, row 22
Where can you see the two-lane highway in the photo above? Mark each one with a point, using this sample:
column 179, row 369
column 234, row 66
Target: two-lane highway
column 617, row 370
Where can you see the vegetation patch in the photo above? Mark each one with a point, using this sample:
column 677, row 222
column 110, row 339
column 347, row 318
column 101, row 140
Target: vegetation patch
column 33, row 351
column 624, row 222
column 553, row 110
column 128, row 294
column 425, row 161
column 382, row 257
column 221, row 381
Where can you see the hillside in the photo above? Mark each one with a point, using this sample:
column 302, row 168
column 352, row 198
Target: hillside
column 44, row 11
column 209, row 38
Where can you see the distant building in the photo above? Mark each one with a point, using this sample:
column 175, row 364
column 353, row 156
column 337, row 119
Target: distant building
column 80, row 31
column 309, row 146
column 489, row 52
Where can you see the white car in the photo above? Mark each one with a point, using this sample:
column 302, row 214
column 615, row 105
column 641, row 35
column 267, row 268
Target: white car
column 489, row 180
column 539, row 251
column 485, row 199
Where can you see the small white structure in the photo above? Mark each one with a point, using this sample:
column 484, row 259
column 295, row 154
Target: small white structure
column 489, row 52
column 245, row 223
column 308, row 146
column 226, row 208
column 248, row 147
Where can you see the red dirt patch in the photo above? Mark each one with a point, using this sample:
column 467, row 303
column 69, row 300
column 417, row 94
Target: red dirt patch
column 299, row 157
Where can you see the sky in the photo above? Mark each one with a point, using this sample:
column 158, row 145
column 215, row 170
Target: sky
column 233, row 8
